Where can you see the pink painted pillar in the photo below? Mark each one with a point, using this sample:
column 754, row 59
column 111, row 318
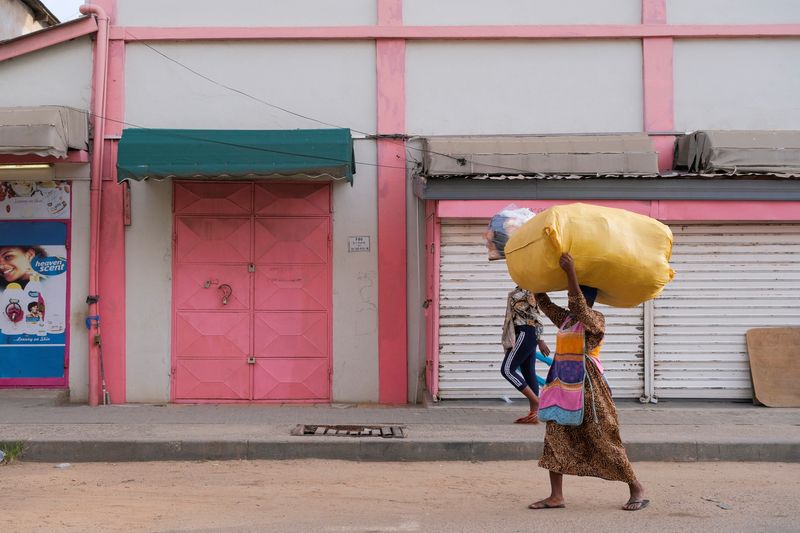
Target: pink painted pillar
column 657, row 83
column 112, row 278
column 392, row 300
column 112, row 229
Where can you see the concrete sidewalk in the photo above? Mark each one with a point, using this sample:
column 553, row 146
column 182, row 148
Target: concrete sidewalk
column 477, row 431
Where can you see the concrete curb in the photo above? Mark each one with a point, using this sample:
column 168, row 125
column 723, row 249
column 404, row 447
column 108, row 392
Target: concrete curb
column 349, row 449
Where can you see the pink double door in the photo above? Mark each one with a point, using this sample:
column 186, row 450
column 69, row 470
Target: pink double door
column 251, row 292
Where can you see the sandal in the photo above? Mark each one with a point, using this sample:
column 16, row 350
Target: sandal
column 530, row 418
column 640, row 504
column 542, row 504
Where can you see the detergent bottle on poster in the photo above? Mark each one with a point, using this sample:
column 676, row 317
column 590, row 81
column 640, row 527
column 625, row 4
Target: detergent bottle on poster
column 33, row 306
column 13, row 313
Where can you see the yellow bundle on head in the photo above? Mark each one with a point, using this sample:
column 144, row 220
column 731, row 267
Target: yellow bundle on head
column 623, row 254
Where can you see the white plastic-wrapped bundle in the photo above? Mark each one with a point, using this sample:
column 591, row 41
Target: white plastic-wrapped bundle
column 502, row 226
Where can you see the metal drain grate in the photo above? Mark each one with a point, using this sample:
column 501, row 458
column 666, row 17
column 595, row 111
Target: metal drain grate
column 387, row 432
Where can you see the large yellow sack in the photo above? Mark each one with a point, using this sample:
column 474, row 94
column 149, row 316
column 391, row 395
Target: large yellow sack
column 623, row 254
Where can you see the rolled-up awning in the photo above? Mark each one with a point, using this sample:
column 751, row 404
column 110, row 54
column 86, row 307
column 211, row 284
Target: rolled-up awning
column 557, row 154
column 739, row 151
column 171, row 153
column 43, row 130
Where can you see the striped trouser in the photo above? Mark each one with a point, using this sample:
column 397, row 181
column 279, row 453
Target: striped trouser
column 518, row 364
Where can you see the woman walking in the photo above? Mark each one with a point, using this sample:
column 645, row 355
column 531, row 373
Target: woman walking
column 522, row 331
column 593, row 448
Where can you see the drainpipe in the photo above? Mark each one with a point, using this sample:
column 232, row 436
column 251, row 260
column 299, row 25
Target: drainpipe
column 99, row 77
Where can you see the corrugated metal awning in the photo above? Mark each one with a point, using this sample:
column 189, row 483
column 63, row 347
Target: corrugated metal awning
column 558, row 154
column 739, row 152
column 43, row 130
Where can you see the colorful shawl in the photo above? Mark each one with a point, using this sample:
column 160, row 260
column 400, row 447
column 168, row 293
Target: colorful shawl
column 561, row 399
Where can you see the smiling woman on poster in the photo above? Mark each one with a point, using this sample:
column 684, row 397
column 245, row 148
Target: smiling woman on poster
column 31, row 286
column 15, row 264
column 34, row 283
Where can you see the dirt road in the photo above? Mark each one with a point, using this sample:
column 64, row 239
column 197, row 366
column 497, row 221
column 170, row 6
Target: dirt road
column 342, row 496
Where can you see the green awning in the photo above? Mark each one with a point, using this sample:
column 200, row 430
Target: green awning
column 167, row 153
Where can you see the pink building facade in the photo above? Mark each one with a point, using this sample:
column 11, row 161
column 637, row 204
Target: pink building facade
column 282, row 286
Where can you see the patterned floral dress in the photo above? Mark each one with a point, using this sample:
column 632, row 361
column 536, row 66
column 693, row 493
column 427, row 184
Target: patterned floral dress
column 593, row 448
column 521, row 310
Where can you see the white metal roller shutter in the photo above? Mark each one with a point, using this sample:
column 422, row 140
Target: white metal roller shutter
column 729, row 278
column 472, row 303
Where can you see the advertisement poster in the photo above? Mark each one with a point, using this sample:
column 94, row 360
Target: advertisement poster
column 34, row 200
column 33, row 299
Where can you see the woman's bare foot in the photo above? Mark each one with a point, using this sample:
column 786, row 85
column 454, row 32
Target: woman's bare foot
column 530, row 418
column 637, row 500
column 548, row 503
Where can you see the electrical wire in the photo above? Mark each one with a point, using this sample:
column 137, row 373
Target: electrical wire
column 460, row 160
column 245, row 146
column 238, row 91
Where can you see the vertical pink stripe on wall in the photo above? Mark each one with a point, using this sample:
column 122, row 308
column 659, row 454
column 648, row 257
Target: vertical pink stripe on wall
column 654, row 11
column 112, row 279
column 115, row 99
column 657, row 83
column 390, row 12
column 392, row 299
column 657, row 71
column 112, row 228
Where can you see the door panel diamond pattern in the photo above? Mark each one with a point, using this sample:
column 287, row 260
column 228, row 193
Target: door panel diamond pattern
column 297, row 240
column 291, row 288
column 270, row 243
column 215, row 379
column 214, row 335
column 305, row 199
column 291, row 334
column 212, row 240
column 212, row 198
column 299, row 379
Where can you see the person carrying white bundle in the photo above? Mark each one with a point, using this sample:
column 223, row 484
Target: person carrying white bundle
column 522, row 327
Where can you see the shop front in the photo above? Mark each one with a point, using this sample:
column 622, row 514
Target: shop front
column 252, row 269
column 736, row 255
column 40, row 147
column 34, row 284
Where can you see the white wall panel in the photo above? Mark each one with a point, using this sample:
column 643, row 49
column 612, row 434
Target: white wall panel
column 729, row 278
column 79, row 289
column 523, row 87
column 737, row 84
column 162, row 13
column 355, row 283
column 148, row 291
column 481, row 12
column 733, row 11
column 59, row 75
column 473, row 294
column 331, row 82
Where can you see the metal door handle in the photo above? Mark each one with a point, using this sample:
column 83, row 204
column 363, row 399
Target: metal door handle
column 226, row 292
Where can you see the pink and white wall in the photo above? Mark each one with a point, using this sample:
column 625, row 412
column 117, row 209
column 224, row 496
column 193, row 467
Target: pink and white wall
column 391, row 67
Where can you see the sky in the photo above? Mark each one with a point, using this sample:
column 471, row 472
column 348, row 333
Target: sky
column 64, row 9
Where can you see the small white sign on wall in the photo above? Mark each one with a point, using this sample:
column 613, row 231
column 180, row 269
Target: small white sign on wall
column 358, row 243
